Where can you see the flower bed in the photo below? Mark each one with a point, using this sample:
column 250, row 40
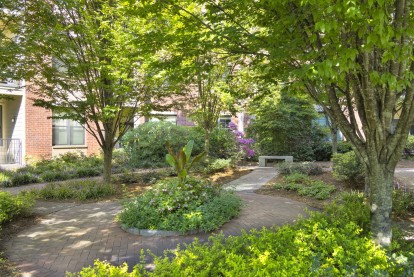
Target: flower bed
column 169, row 206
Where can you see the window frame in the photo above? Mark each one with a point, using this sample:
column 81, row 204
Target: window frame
column 69, row 130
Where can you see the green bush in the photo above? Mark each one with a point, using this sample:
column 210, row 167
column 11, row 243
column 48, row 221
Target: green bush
column 105, row 269
column 402, row 202
column 145, row 145
column 307, row 168
column 12, row 206
column 51, row 176
column 21, row 178
column 223, row 144
column 305, row 186
column 79, row 190
column 347, row 167
column 169, row 206
column 323, row 151
column 218, row 165
column 409, row 147
column 88, row 172
column 143, row 178
column 284, row 126
column 334, row 243
column 64, row 167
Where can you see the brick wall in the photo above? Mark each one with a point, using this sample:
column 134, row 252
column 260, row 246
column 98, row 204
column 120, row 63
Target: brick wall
column 38, row 128
column 92, row 144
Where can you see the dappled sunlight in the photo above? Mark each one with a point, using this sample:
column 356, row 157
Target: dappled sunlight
column 58, row 221
column 97, row 214
column 80, row 244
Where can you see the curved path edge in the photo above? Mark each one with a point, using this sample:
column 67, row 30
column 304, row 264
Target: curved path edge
column 73, row 236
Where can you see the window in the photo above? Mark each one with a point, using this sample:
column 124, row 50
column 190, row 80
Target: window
column 224, row 121
column 67, row 132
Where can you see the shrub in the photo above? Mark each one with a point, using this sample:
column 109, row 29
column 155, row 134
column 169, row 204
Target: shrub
column 218, row 165
column 105, row 269
column 64, row 167
column 51, row 176
column 334, row 243
column 145, row 145
column 79, row 190
column 145, row 178
column 21, row 178
column 306, row 187
column 402, row 202
column 174, row 207
column 88, row 172
column 12, row 206
column 409, row 147
column 323, row 151
column 344, row 147
column 223, row 144
column 283, row 126
column 307, row 168
column 347, row 167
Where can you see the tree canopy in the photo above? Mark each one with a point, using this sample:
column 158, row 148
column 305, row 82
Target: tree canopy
column 95, row 62
column 354, row 58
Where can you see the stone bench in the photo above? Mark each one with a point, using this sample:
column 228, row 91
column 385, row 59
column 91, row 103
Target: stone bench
column 263, row 159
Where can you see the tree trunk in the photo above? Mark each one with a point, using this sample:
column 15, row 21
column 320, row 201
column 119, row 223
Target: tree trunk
column 207, row 144
column 107, row 170
column 380, row 182
column 334, row 133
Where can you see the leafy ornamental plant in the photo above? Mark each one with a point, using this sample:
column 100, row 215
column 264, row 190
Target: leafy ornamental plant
column 181, row 160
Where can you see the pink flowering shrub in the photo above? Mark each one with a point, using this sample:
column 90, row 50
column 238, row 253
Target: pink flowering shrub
column 245, row 144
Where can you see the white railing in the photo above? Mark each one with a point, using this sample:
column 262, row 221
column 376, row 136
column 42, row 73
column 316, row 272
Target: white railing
column 10, row 83
column 10, row 151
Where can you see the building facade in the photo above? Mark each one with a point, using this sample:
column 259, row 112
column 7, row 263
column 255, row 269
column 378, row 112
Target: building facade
column 28, row 132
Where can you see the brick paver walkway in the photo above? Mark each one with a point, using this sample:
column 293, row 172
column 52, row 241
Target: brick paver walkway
column 71, row 236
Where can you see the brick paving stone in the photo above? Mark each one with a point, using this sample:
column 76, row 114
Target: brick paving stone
column 74, row 235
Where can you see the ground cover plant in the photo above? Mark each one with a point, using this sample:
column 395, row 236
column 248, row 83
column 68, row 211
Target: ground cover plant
column 347, row 167
column 305, row 186
column 11, row 208
column 181, row 204
column 335, row 242
column 196, row 205
column 75, row 190
column 64, row 167
column 307, row 168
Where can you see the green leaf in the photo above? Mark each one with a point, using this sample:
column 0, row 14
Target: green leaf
column 170, row 160
column 188, row 149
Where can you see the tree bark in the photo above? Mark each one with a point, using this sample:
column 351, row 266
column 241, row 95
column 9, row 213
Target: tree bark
column 107, row 170
column 334, row 133
column 380, row 183
column 207, row 135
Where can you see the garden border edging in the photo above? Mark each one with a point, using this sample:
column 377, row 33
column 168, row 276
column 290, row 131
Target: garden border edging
column 157, row 233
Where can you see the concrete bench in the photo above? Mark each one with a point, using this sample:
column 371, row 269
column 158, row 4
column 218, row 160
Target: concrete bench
column 263, row 159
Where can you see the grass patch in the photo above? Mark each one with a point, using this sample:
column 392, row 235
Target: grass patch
column 64, row 167
column 76, row 190
column 306, row 168
column 305, row 186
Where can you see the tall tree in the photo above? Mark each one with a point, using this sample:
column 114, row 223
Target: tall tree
column 9, row 47
column 91, row 61
column 353, row 54
column 212, row 85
